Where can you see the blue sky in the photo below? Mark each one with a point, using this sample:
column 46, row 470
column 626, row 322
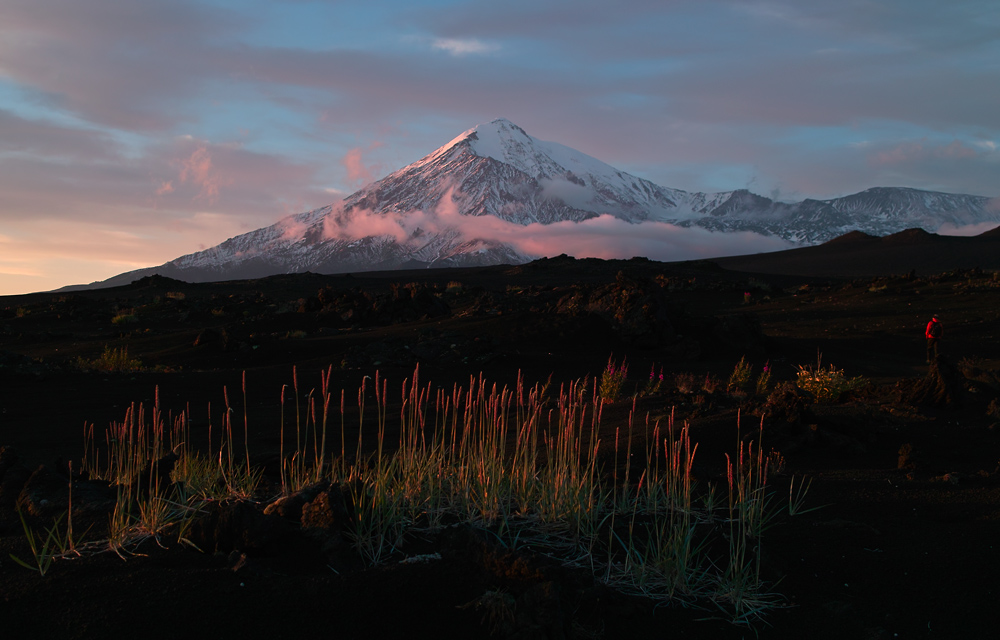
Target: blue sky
column 135, row 132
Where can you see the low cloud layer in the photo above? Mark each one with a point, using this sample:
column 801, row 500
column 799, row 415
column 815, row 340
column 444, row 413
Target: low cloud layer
column 948, row 229
column 603, row 236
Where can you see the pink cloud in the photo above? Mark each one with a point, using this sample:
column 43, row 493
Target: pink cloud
column 957, row 150
column 198, row 170
column 66, row 205
column 895, row 156
column 608, row 237
column 361, row 223
column 125, row 64
column 601, row 237
column 292, row 229
column 358, row 172
column 949, row 229
column 910, row 152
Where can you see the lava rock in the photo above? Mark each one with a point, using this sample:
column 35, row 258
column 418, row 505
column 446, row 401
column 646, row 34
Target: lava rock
column 942, row 386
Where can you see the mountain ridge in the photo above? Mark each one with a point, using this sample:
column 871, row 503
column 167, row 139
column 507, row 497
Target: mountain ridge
column 476, row 200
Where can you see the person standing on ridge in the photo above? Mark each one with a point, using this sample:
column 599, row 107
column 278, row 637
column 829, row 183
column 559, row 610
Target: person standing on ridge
column 933, row 334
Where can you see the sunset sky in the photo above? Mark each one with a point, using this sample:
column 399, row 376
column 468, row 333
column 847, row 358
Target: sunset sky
column 133, row 132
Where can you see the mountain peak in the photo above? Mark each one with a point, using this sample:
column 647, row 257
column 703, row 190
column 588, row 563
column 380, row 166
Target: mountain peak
column 487, row 140
column 507, row 143
column 501, row 140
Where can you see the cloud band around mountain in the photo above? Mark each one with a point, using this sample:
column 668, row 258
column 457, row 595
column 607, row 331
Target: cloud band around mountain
column 603, row 236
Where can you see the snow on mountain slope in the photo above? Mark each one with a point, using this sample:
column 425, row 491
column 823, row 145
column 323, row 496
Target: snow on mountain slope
column 484, row 196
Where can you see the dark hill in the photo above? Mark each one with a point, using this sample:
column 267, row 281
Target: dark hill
column 857, row 254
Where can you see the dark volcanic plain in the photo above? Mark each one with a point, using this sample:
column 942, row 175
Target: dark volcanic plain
column 905, row 467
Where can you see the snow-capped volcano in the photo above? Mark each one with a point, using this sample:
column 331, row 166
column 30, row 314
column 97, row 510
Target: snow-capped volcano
column 497, row 195
column 499, row 170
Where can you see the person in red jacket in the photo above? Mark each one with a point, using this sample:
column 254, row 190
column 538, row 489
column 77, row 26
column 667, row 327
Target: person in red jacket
column 933, row 334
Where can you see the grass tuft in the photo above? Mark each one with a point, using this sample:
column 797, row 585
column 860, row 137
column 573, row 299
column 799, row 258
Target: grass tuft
column 523, row 463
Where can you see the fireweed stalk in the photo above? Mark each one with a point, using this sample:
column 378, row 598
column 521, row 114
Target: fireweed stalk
column 613, row 380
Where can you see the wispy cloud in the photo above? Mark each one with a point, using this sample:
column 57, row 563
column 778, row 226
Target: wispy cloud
column 464, row 46
column 358, row 172
column 919, row 151
column 198, row 170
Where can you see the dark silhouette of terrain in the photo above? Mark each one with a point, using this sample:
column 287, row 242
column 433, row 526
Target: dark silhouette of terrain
column 861, row 255
column 904, row 465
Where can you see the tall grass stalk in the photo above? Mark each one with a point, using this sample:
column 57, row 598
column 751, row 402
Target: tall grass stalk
column 740, row 589
column 529, row 468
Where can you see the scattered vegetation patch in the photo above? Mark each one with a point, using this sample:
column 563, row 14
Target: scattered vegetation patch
column 515, row 462
column 826, row 385
column 755, row 284
column 115, row 360
column 125, row 317
column 686, row 383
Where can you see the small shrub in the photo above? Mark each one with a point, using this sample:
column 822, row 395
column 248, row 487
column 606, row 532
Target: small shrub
column 993, row 409
column 125, row 317
column 454, row 287
column 613, row 380
column 654, row 383
column 826, row 385
column 686, row 383
column 775, row 462
column 710, row 384
column 112, row 361
column 498, row 608
column 739, row 379
column 764, row 380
